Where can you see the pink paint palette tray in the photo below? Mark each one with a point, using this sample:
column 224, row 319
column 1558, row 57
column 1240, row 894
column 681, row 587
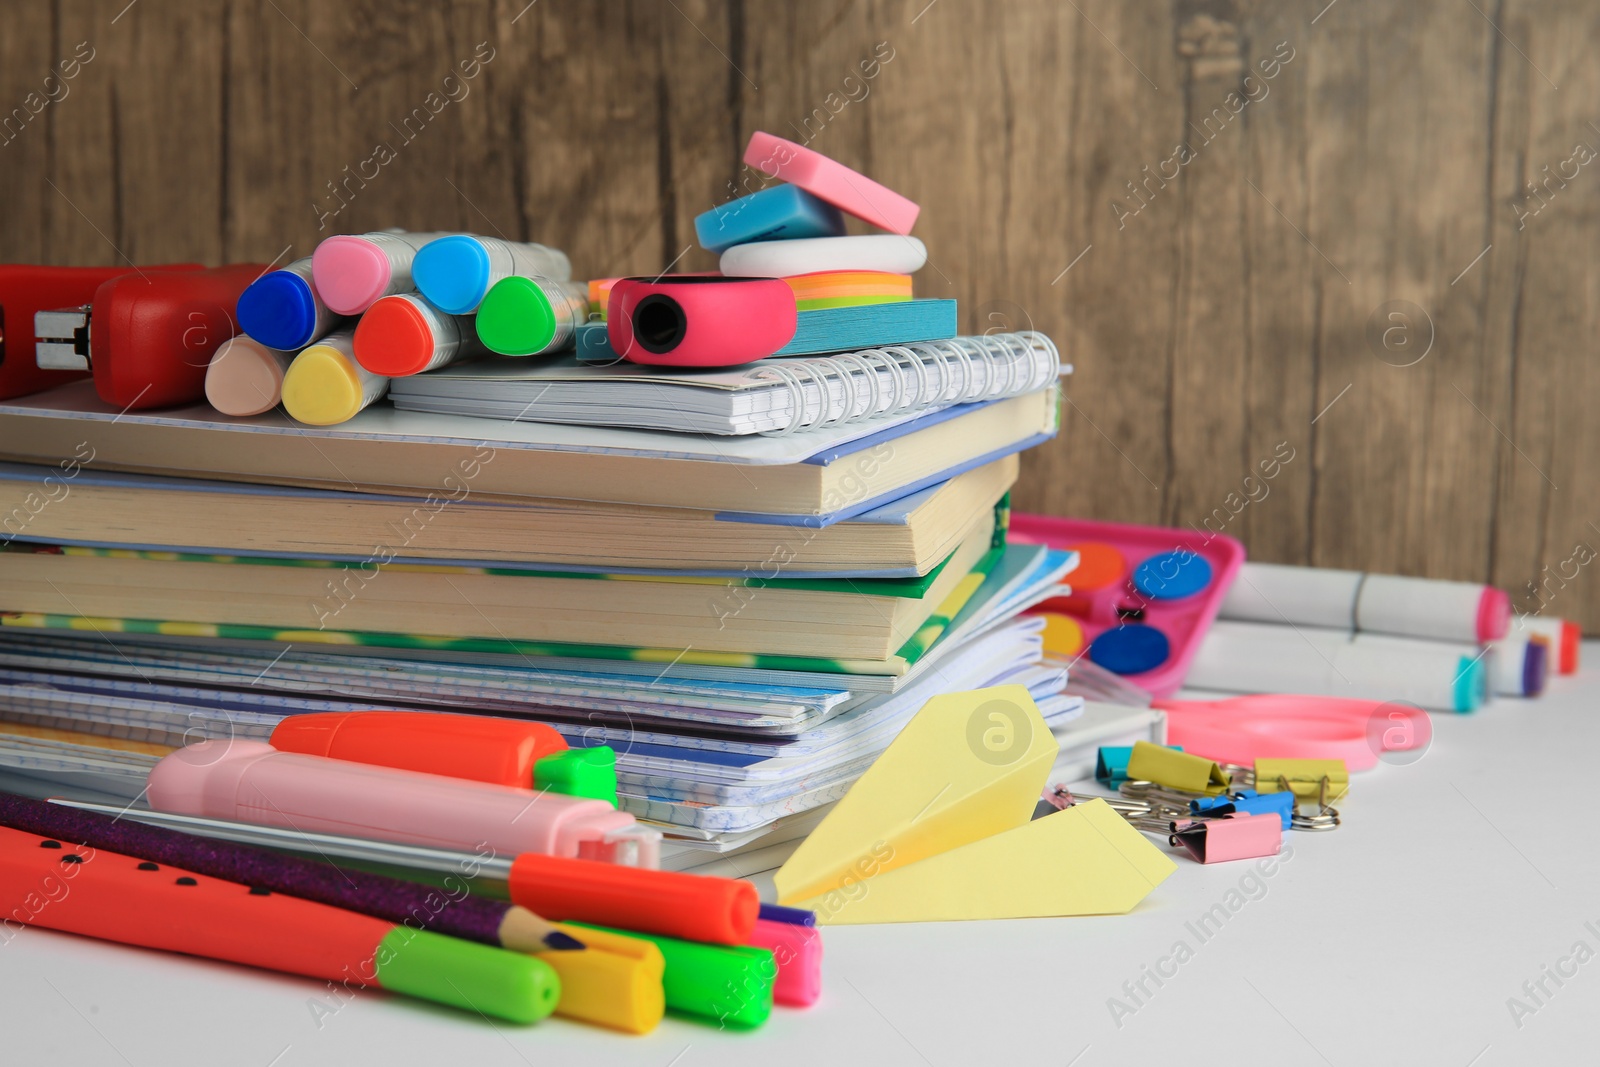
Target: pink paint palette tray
column 1141, row 598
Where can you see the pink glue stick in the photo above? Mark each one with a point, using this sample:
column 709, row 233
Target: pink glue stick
column 249, row 781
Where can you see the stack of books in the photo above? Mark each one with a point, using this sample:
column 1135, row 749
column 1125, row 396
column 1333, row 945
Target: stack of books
column 744, row 581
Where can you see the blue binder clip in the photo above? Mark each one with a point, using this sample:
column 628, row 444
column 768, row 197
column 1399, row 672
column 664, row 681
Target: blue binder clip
column 1249, row 802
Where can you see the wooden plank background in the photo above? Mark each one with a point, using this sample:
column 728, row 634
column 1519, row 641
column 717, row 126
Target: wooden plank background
column 1373, row 253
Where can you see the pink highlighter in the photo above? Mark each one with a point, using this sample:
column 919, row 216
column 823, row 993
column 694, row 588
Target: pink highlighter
column 249, row 781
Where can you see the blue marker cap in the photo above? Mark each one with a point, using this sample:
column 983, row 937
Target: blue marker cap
column 280, row 311
column 1172, row 575
column 1130, row 649
column 453, row 273
column 1472, row 684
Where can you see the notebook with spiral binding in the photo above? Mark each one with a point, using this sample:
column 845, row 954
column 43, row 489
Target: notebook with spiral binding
column 774, row 396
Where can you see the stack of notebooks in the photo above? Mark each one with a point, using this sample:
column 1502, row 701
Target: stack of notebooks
column 643, row 558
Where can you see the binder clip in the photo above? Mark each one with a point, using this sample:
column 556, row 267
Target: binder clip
column 1111, row 764
column 1176, row 770
column 1305, row 777
column 1248, row 802
column 1325, row 818
column 1238, row 836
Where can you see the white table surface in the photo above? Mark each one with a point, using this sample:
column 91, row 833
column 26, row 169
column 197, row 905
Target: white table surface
column 1397, row 939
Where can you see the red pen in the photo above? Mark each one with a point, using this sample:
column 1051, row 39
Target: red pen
column 26, row 290
column 148, row 336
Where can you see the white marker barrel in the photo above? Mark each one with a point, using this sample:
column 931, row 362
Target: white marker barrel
column 1376, row 603
column 1244, row 657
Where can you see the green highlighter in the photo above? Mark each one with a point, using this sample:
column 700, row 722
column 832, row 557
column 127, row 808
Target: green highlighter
column 732, row 984
column 579, row 772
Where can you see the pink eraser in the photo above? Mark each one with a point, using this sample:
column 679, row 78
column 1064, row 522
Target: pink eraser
column 1237, row 837
column 827, row 180
column 350, row 273
column 797, row 950
column 1494, row 615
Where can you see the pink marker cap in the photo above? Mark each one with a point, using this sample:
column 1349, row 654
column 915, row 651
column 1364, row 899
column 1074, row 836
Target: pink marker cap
column 350, row 274
column 1494, row 615
column 797, row 950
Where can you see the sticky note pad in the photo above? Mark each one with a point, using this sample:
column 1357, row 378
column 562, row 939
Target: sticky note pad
column 780, row 213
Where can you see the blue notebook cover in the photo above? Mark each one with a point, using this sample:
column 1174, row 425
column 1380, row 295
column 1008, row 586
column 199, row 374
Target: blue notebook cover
column 846, row 329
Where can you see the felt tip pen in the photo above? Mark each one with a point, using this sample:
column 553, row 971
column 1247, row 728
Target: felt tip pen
column 148, row 337
column 404, row 334
column 325, row 385
column 351, row 272
column 456, row 272
column 97, row 893
column 246, row 377
column 531, row 316
column 282, row 310
column 251, row 781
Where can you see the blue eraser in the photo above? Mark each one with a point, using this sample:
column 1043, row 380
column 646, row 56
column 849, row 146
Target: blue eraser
column 279, row 310
column 1172, row 575
column 780, row 213
column 452, row 273
column 1130, row 649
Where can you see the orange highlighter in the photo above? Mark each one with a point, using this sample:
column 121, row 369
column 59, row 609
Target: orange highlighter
column 480, row 748
column 79, row 890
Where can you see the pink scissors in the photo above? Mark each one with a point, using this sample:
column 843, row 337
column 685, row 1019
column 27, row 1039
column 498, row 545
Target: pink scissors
column 1277, row 726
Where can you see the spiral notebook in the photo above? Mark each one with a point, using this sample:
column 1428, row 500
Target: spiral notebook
column 773, row 396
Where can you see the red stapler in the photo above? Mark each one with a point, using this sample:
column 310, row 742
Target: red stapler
column 147, row 336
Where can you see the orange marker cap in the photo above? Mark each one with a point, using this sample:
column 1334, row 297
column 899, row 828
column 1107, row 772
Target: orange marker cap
column 694, row 907
column 475, row 747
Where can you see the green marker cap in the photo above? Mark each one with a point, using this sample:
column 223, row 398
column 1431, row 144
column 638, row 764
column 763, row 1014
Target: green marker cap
column 516, row 318
column 464, row 974
column 732, row 984
column 579, row 772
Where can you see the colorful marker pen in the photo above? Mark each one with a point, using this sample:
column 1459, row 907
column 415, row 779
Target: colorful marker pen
column 95, row 893
column 250, row 781
column 246, row 377
column 282, row 310
column 529, row 316
column 404, row 334
column 352, row 272
column 325, row 385
column 480, row 747
column 455, row 272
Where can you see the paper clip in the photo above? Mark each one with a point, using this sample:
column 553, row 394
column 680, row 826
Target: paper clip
column 1235, row 837
column 1176, row 770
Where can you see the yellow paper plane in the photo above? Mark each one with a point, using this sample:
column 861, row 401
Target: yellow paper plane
column 939, row 828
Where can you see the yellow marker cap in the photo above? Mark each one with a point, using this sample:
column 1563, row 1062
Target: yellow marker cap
column 615, row 981
column 325, row 385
